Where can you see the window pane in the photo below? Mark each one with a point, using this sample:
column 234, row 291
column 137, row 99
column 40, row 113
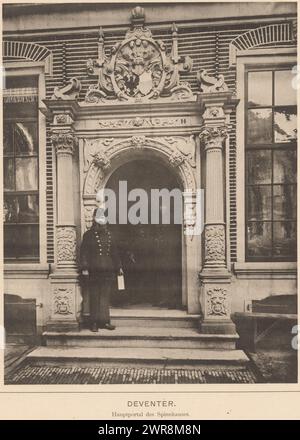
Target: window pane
column 260, row 126
column 25, row 138
column 10, row 209
column 259, row 166
column 26, row 174
column 20, row 110
column 284, row 239
column 22, row 209
column 284, row 202
column 10, row 236
column 285, row 166
column 259, row 239
column 285, row 124
column 284, row 92
column 260, row 203
column 28, row 245
column 14, row 82
column 9, row 174
column 260, row 88
column 28, row 209
column 7, row 138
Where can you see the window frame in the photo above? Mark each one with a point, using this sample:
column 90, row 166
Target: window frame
column 25, row 68
column 266, row 57
column 272, row 146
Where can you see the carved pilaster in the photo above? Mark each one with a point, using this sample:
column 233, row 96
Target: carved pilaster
column 64, row 279
column 215, row 295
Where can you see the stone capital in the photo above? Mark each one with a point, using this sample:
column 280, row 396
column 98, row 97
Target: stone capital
column 212, row 137
column 64, row 141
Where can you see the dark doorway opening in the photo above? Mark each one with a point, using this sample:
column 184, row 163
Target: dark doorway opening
column 151, row 253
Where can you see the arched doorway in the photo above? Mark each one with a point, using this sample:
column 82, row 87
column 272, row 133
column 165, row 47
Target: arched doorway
column 151, row 253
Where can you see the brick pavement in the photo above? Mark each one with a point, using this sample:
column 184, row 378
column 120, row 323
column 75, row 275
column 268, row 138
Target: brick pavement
column 31, row 374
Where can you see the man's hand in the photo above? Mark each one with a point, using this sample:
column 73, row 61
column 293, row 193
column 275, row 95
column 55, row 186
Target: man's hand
column 85, row 273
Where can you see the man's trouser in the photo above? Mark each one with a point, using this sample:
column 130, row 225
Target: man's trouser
column 100, row 288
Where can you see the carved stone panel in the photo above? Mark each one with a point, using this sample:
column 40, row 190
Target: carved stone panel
column 214, row 244
column 217, row 302
column 66, row 245
column 63, row 302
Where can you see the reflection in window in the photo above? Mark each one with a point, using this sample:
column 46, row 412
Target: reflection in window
column 271, row 163
column 285, row 125
column 21, row 198
column 260, row 88
column 260, row 126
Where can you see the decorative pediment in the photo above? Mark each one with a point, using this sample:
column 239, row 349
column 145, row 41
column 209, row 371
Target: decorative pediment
column 138, row 69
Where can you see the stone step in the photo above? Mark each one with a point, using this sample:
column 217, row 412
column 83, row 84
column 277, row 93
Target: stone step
column 156, row 322
column 154, row 317
column 139, row 337
column 162, row 357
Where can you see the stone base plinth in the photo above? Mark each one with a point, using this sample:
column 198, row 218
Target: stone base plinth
column 63, row 302
column 215, row 300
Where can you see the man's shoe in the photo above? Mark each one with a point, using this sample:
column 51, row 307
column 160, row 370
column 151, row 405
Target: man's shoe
column 94, row 327
column 109, row 326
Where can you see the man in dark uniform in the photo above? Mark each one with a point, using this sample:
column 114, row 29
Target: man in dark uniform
column 100, row 264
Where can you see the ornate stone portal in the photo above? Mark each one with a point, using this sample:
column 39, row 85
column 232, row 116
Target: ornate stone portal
column 123, row 118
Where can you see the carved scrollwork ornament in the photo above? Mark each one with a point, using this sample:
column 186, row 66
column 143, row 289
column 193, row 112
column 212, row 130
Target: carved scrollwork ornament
column 68, row 92
column 138, row 141
column 176, row 159
column 211, row 84
column 101, row 160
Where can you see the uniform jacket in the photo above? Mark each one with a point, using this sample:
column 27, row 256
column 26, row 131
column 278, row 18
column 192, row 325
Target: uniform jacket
column 99, row 252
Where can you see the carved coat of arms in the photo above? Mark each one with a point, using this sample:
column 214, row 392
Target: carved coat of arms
column 138, row 68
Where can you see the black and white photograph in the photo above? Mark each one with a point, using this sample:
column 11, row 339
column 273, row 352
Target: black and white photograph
column 149, row 194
